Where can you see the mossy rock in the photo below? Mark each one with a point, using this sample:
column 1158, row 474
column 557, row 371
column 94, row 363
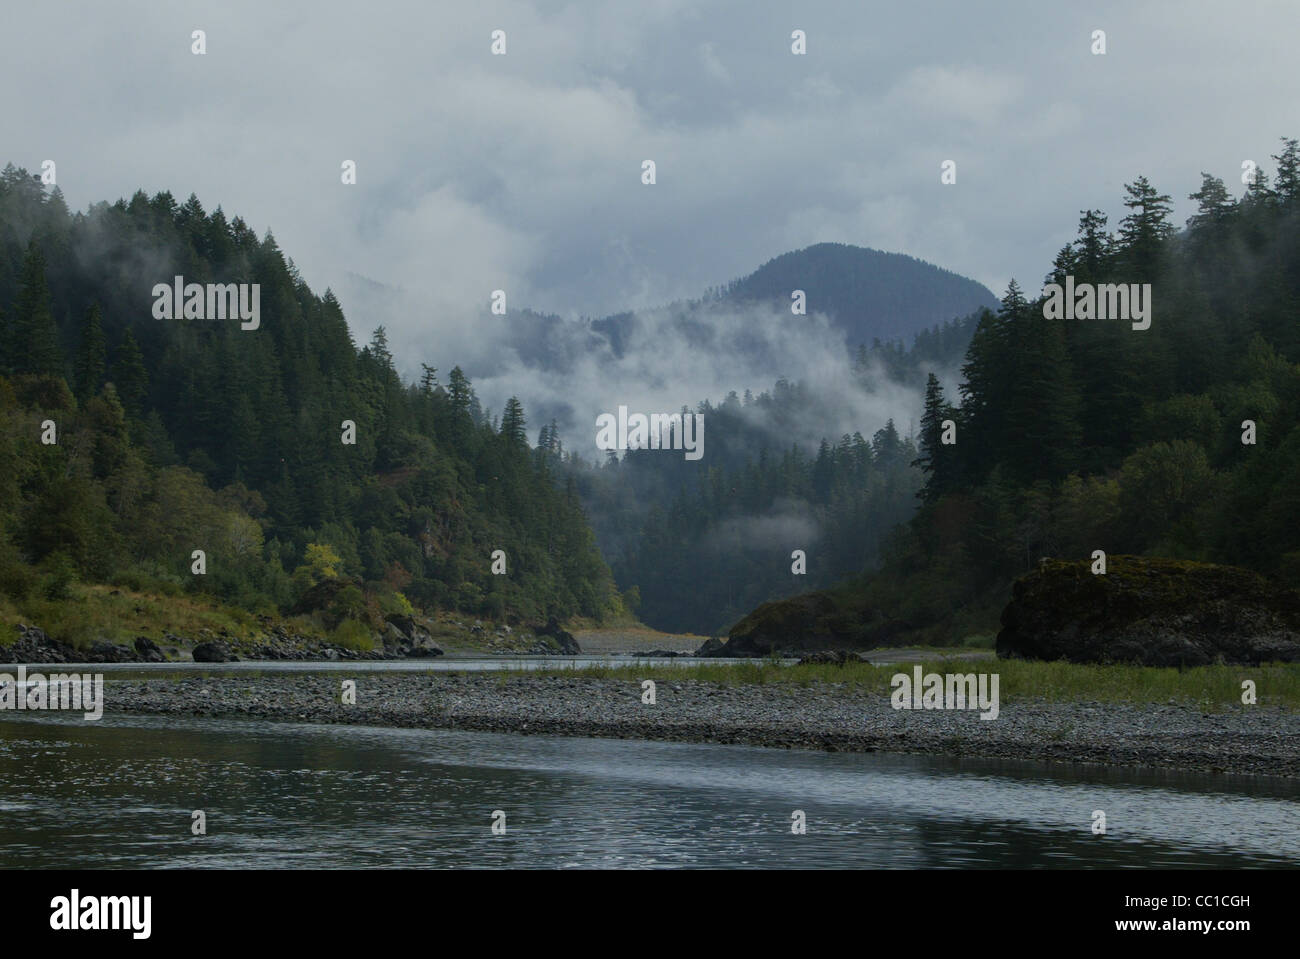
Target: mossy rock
column 810, row 622
column 1152, row 612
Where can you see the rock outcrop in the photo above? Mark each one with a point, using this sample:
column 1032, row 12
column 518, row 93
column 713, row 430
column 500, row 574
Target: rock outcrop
column 711, row 647
column 33, row 646
column 404, row 637
column 1152, row 612
column 811, row 622
column 557, row 639
column 212, row 653
column 105, row 652
column 148, row 650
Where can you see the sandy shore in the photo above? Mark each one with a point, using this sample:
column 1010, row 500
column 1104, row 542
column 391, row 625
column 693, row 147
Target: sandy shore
column 1255, row 740
column 606, row 642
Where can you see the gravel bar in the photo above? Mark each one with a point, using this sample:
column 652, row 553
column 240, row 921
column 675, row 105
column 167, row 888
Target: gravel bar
column 1242, row 739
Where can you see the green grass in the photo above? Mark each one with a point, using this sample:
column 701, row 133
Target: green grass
column 1206, row 687
column 94, row 613
column 118, row 615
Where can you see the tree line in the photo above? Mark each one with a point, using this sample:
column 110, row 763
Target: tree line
column 194, row 434
column 1180, row 440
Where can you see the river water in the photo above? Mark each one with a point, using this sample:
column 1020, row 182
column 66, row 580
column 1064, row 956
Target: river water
column 446, row 664
column 121, row 793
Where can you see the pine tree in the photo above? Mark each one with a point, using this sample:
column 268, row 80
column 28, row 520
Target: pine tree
column 1044, row 404
column 1145, row 229
column 35, row 336
column 129, row 375
column 88, row 369
column 378, row 349
column 1259, row 193
column 428, row 379
column 1093, row 245
column 985, row 387
column 886, row 445
column 1214, row 205
column 512, row 424
column 1065, row 264
column 1287, row 182
column 934, row 459
column 461, row 402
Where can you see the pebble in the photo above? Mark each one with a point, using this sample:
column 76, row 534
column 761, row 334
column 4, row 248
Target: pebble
column 1261, row 740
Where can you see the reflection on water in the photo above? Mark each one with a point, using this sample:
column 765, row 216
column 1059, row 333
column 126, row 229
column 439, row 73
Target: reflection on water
column 119, row 793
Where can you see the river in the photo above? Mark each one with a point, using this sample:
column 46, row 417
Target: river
column 121, row 792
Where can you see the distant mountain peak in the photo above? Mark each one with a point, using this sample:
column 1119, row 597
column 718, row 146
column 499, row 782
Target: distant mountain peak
column 867, row 293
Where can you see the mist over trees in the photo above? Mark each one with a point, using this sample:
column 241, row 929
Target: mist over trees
column 702, row 544
column 1178, row 440
column 180, row 435
column 1181, row 440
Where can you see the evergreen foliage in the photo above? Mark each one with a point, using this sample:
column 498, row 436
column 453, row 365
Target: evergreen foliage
column 176, row 435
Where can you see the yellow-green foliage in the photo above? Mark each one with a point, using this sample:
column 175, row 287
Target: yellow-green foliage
column 393, row 601
column 352, row 634
column 94, row 613
column 322, row 562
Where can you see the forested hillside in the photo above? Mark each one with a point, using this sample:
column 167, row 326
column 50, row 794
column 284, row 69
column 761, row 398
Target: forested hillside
column 868, row 293
column 1180, row 440
column 696, row 548
column 696, row 545
column 180, row 435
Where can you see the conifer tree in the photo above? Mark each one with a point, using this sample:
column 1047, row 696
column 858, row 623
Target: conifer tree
column 130, row 376
column 934, row 459
column 1287, row 181
column 512, row 424
column 1214, row 206
column 1147, row 226
column 88, row 369
column 35, row 335
column 1093, row 245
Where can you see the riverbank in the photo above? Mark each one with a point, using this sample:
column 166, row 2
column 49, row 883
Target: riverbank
column 1261, row 740
column 105, row 624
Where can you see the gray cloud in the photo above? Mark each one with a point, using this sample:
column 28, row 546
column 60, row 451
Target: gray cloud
column 788, row 524
column 523, row 172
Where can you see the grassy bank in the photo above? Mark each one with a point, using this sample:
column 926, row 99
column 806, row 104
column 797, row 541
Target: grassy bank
column 96, row 612
column 1210, row 687
column 118, row 615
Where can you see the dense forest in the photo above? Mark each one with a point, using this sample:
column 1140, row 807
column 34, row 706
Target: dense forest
column 1180, row 440
column 128, row 442
column 696, row 549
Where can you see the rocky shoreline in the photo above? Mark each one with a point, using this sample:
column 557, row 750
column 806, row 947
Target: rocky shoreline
column 1243, row 740
column 403, row 637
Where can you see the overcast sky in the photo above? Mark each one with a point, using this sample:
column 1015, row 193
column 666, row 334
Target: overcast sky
column 523, row 172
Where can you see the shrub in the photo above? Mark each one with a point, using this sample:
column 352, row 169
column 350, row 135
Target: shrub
column 61, row 573
column 352, row 634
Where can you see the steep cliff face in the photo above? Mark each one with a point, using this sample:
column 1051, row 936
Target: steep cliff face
column 1153, row 612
